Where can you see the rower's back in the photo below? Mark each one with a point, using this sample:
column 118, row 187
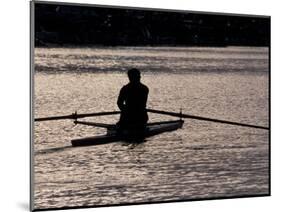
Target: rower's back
column 132, row 101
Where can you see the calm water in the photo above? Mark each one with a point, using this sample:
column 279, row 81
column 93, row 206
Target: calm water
column 202, row 160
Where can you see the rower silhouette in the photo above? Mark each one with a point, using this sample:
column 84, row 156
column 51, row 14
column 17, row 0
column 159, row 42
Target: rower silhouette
column 132, row 103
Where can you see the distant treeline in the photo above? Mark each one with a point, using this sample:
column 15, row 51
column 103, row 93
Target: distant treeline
column 57, row 25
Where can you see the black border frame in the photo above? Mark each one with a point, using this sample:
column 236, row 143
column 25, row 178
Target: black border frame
column 31, row 106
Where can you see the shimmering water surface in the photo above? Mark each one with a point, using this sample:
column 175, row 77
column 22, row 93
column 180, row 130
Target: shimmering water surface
column 202, row 160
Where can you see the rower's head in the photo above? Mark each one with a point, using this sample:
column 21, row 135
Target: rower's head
column 134, row 75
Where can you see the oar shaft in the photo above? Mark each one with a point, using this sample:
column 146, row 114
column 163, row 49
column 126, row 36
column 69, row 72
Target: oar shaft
column 53, row 118
column 97, row 114
column 205, row 119
column 76, row 116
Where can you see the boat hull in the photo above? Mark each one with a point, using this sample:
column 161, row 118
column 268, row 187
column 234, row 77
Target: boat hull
column 151, row 130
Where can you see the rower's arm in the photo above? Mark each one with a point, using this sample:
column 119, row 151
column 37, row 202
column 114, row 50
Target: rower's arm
column 121, row 99
column 146, row 96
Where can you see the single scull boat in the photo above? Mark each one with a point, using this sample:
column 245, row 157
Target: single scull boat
column 151, row 129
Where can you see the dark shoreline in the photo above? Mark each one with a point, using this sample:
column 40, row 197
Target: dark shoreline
column 57, row 24
column 144, row 46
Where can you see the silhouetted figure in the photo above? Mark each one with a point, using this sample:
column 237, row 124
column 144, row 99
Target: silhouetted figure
column 132, row 103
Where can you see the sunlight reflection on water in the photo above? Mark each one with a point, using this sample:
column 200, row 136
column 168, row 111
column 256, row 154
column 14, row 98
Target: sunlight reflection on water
column 201, row 160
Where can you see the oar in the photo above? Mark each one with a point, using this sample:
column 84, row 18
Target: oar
column 180, row 115
column 76, row 116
